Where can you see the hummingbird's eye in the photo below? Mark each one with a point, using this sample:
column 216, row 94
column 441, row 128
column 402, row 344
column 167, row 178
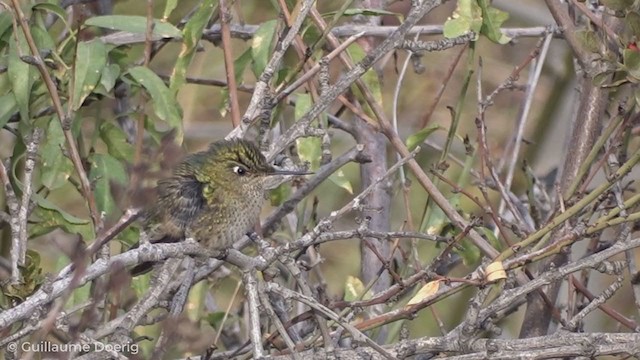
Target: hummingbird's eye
column 239, row 170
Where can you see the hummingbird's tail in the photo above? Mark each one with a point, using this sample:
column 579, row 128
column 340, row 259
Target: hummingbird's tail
column 146, row 266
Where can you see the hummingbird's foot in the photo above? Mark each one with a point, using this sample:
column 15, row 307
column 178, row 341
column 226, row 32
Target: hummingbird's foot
column 258, row 240
column 220, row 254
column 208, row 353
column 253, row 236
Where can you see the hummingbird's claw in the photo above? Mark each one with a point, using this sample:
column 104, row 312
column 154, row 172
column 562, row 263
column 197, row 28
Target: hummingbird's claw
column 220, row 254
column 253, row 236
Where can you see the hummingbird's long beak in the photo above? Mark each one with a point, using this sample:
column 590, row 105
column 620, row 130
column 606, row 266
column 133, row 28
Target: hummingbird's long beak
column 275, row 171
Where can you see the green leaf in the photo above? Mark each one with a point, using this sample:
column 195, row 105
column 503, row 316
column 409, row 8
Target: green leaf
column 636, row 95
column 140, row 284
column 469, row 252
column 43, row 39
column 168, row 8
column 109, row 76
column 632, row 20
column 464, row 174
column 52, row 217
column 164, row 101
column 261, row 45
column 224, row 105
column 436, row 222
column 370, row 78
column 31, row 278
column 116, row 141
column 8, row 107
column 155, row 134
column 303, row 104
column 129, row 236
column 618, row 5
column 104, row 170
column 604, row 78
column 6, row 22
column 215, row 319
column 631, row 60
column 91, row 58
column 588, row 39
column 240, row 65
column 48, row 205
column 56, row 167
column 492, row 20
column 134, row 24
column 309, row 148
column 354, row 289
column 370, row 12
column 80, row 295
column 311, row 35
column 493, row 240
column 278, row 195
column 21, row 75
column 341, row 180
column 418, row 138
column 466, row 17
column 191, row 35
column 54, row 9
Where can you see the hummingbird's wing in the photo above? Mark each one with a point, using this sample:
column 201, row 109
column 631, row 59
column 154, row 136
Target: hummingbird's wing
column 180, row 199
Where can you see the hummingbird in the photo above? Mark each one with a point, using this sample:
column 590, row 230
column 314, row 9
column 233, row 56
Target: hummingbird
column 213, row 196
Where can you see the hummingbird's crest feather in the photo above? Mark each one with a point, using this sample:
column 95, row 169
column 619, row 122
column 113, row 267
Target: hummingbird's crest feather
column 241, row 152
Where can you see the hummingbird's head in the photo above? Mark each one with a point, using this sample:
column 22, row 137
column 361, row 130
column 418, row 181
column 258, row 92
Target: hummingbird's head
column 238, row 163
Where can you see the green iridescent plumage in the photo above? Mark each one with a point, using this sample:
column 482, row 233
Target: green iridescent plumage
column 214, row 196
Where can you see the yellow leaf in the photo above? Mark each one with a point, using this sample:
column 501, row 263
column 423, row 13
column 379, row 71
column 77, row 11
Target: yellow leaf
column 495, row 271
column 353, row 288
column 427, row 290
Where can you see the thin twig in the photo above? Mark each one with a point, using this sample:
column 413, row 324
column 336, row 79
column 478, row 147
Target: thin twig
column 488, row 164
column 225, row 19
column 264, row 299
column 129, row 216
column 177, row 306
column 312, row 303
column 14, row 224
column 607, row 309
column 262, row 85
column 226, row 313
column 64, row 120
column 209, row 82
column 572, row 325
column 450, row 71
column 247, row 31
column 353, row 154
column 316, row 68
column 159, row 285
column 251, row 291
column 517, row 141
column 23, row 214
